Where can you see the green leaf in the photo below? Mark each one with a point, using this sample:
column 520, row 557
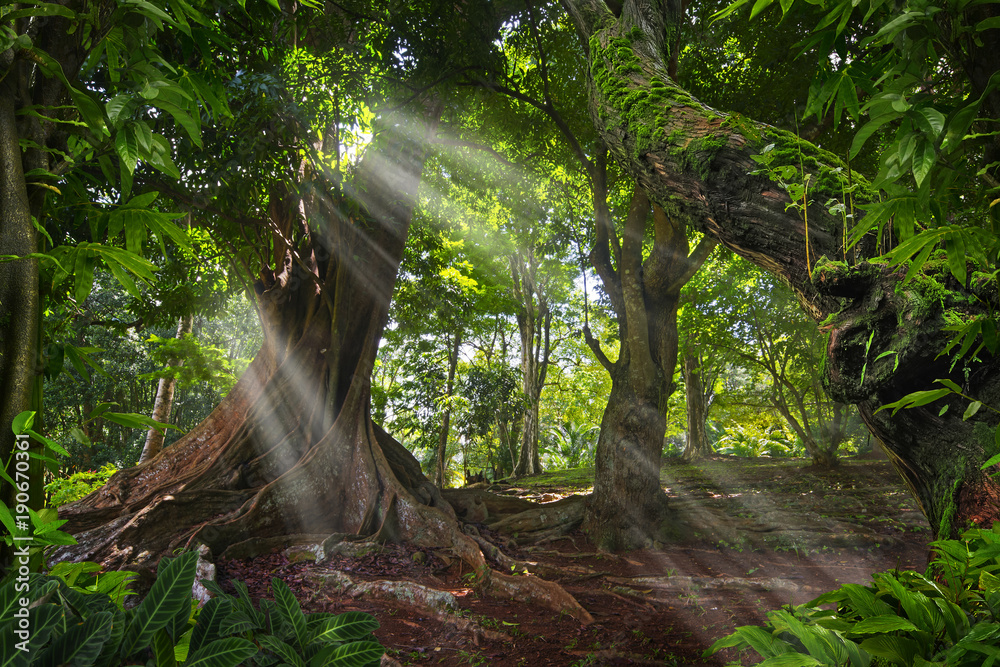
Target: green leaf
column 723, row 13
column 83, row 271
column 209, row 625
column 40, row 9
column 170, row 592
column 5, row 516
column 142, row 201
column 50, row 444
column 916, row 399
column 932, row 121
column 972, row 410
column 988, row 24
column 791, row 660
column 81, row 643
column 356, row 654
column 758, row 7
column 955, row 249
column 226, row 652
column 90, row 111
column 867, row 130
column 879, row 624
column 951, row 385
column 900, row 650
column 183, row 118
column 135, row 420
column 346, row 627
column 923, row 161
column 988, row 582
column 282, row 650
column 119, row 108
column 150, row 11
column 289, row 608
column 163, row 649
column 22, row 422
column 122, row 277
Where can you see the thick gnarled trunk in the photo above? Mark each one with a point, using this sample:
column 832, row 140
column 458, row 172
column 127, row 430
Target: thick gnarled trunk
column 629, row 507
column 292, row 448
column 699, row 161
column 292, row 453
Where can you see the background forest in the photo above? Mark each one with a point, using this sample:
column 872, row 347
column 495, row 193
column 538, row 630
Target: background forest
column 754, row 356
column 502, row 230
column 302, row 268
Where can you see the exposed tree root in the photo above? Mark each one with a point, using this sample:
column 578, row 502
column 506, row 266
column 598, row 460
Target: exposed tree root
column 355, row 482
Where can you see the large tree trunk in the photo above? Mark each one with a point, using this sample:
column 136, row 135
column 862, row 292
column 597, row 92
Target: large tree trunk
column 164, row 401
column 699, row 161
column 292, row 450
column 697, row 445
column 628, row 507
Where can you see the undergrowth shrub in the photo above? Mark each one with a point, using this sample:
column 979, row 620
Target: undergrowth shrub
column 64, row 490
column 750, row 441
column 946, row 616
column 78, row 618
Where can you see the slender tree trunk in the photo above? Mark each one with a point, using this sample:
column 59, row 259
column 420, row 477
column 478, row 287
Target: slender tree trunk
column 442, row 453
column 534, row 321
column 697, row 445
column 701, row 160
column 19, row 302
column 164, row 401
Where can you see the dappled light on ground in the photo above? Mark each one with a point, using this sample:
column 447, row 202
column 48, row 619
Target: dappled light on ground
column 761, row 533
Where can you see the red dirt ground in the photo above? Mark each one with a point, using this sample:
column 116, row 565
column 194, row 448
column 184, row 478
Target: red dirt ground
column 769, row 532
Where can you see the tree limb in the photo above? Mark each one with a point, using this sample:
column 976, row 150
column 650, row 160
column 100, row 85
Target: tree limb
column 595, row 346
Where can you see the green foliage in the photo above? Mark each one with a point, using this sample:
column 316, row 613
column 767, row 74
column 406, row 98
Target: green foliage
column 77, row 618
column 490, row 422
column 20, row 521
column 64, row 490
column 201, row 363
column 945, row 616
column 569, row 445
column 751, row 441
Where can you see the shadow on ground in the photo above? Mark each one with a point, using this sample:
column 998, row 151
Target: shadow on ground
column 766, row 532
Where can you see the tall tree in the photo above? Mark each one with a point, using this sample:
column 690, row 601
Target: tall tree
column 534, row 323
column 702, row 161
column 698, row 395
column 292, row 448
column 629, row 504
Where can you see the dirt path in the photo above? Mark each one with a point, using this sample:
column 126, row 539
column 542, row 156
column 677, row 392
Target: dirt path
column 765, row 533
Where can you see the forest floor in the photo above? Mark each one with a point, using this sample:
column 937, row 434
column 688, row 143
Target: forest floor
column 765, row 532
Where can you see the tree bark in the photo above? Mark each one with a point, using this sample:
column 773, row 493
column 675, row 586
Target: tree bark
column 164, row 401
column 697, row 445
column 292, row 449
column 698, row 162
column 442, row 453
column 19, row 302
column 534, row 323
column 629, row 506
